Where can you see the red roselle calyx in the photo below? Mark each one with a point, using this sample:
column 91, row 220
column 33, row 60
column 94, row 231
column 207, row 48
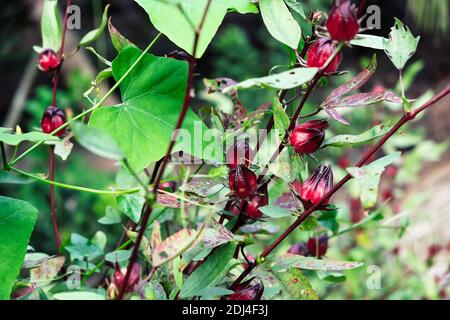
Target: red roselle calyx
column 319, row 53
column 118, row 278
column 242, row 181
column 259, row 199
column 308, row 137
column 318, row 247
column 52, row 119
column 239, row 153
column 317, row 186
column 245, row 291
column 342, row 22
column 49, row 60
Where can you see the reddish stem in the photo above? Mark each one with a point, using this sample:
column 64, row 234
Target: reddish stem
column 365, row 158
column 184, row 109
column 52, row 148
column 61, row 54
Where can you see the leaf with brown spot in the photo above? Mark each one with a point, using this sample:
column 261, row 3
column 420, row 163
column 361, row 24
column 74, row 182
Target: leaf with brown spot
column 295, row 286
column 156, row 235
column 174, row 246
column 47, row 271
column 354, row 84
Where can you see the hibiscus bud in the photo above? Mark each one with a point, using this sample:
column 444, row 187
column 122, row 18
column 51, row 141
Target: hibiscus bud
column 259, row 199
column 118, row 278
column 318, row 246
column 342, row 23
column 52, row 119
column 245, row 291
column 317, row 186
column 308, row 137
column 239, row 153
column 300, row 249
column 48, row 60
column 319, row 53
column 242, row 181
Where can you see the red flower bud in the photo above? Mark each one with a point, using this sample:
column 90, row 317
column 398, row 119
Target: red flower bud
column 118, row 278
column 300, row 249
column 317, row 186
column 319, row 53
column 52, row 119
column 48, row 60
column 259, row 199
column 245, row 291
column 342, row 23
column 392, row 171
column 307, row 137
column 242, row 181
column 239, row 153
column 318, row 246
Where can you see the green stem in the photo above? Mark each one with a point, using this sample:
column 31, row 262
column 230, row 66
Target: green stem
column 77, row 188
column 97, row 105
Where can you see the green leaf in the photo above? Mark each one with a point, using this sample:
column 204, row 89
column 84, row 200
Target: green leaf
column 112, row 216
column 17, row 219
column 275, row 212
column 7, row 177
column 401, row 44
column 78, row 295
column 369, row 41
column 131, row 205
column 99, row 57
column 15, row 139
column 328, row 219
column 93, row 35
column 285, row 80
column 353, row 141
column 152, row 98
column 297, row 7
column 51, row 26
column 179, row 19
column 295, row 286
column 82, row 249
column 211, row 272
column 118, row 41
column 290, row 260
column 96, row 141
column 118, row 256
column 280, row 117
column 280, row 23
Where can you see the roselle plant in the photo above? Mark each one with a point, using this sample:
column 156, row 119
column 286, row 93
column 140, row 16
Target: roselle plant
column 199, row 194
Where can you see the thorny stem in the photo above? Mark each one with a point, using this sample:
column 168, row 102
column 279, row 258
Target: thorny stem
column 365, row 158
column 97, row 105
column 184, row 109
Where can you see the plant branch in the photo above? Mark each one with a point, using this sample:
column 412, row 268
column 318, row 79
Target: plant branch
column 77, row 188
column 365, row 158
column 5, row 161
column 184, row 109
